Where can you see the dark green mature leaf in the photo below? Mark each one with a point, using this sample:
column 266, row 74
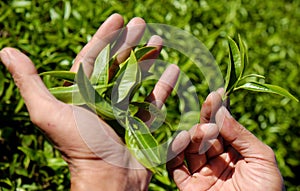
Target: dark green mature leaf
column 64, row 75
column 140, row 141
column 141, row 52
column 101, row 67
column 259, row 87
column 235, row 57
column 159, row 115
column 92, row 97
column 231, row 77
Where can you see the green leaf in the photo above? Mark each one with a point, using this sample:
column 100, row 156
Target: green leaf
column 128, row 80
column 244, row 55
column 65, row 75
column 259, row 87
column 141, row 143
column 92, row 98
column 249, row 78
column 159, row 115
column 71, row 94
column 2, row 82
column 141, row 52
column 101, row 67
column 235, row 57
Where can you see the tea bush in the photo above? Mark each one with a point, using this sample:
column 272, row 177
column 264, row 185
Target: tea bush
column 51, row 33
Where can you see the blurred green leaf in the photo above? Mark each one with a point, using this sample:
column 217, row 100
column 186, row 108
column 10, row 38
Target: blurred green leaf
column 65, row 75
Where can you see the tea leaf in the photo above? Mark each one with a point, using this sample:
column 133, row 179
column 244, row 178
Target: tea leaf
column 92, row 97
column 140, row 141
column 71, row 94
column 64, row 75
column 129, row 79
column 235, row 57
column 141, row 52
column 259, row 87
column 159, row 115
column 101, row 67
column 244, row 55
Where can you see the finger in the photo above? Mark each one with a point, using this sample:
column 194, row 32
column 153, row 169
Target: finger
column 130, row 37
column 210, row 107
column 219, row 166
column 175, row 161
column 160, row 92
column 107, row 33
column 199, row 145
column 216, row 147
column 32, row 88
column 241, row 139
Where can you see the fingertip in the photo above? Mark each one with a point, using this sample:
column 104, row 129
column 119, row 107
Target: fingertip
column 16, row 61
column 155, row 40
column 117, row 18
column 136, row 21
column 179, row 143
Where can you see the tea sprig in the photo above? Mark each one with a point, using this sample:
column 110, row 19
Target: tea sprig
column 235, row 78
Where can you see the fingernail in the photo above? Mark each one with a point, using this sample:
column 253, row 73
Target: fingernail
column 5, row 58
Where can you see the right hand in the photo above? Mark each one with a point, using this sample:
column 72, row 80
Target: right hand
column 223, row 155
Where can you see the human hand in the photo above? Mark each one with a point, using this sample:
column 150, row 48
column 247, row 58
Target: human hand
column 223, row 155
column 97, row 157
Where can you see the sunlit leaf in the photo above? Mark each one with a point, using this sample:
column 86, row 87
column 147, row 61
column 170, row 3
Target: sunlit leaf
column 64, row 75
column 259, row 87
column 139, row 139
column 128, row 80
column 92, row 97
column 101, row 67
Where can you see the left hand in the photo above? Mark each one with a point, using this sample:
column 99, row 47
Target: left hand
column 96, row 156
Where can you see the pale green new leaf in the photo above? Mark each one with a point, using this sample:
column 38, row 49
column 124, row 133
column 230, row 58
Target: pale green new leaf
column 71, row 94
column 92, row 97
column 259, row 87
column 244, row 55
column 101, row 67
column 140, row 141
column 64, row 75
column 129, row 79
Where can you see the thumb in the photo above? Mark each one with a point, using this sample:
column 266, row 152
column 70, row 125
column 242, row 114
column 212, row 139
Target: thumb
column 38, row 99
column 240, row 138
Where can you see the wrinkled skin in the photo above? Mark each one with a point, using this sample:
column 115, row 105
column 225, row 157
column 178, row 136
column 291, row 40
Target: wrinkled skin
column 223, row 155
column 97, row 157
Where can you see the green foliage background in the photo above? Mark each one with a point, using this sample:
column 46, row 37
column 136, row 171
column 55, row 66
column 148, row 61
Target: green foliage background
column 51, row 33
